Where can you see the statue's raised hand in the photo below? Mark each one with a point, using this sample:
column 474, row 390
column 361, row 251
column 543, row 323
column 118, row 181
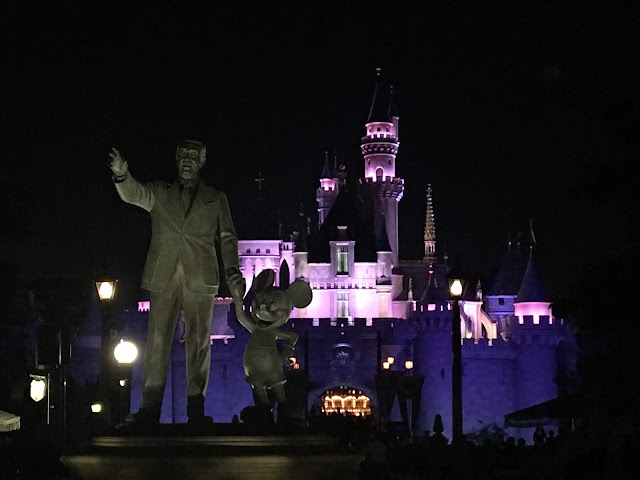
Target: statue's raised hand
column 117, row 163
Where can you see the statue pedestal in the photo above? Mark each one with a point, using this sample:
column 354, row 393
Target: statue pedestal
column 224, row 439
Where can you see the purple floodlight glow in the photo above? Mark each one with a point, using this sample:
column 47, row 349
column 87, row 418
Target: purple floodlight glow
column 431, row 307
column 534, row 309
column 143, row 306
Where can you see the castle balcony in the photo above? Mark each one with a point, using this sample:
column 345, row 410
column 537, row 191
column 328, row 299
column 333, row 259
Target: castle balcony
column 379, row 138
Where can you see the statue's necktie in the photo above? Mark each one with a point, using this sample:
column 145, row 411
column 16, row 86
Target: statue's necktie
column 186, row 197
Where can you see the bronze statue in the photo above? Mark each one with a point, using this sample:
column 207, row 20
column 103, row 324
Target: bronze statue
column 271, row 308
column 188, row 220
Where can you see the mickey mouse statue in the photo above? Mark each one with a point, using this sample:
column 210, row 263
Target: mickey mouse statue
column 262, row 360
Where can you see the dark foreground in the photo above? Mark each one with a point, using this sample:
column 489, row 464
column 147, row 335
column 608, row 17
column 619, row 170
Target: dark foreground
column 194, row 467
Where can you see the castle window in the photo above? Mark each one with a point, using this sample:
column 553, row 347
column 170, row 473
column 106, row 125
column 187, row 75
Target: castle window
column 343, row 305
column 342, row 260
column 501, row 301
column 379, row 173
column 248, row 250
column 258, row 250
column 378, row 129
column 268, row 250
column 387, row 129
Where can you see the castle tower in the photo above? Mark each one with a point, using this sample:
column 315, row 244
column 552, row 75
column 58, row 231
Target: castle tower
column 328, row 191
column 502, row 293
column 380, row 187
column 535, row 334
column 384, row 273
column 430, row 231
column 301, row 249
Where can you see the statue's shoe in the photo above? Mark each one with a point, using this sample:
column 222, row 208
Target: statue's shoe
column 200, row 420
column 146, row 416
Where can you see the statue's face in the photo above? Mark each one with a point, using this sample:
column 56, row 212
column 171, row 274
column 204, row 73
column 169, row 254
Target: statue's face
column 271, row 308
column 189, row 162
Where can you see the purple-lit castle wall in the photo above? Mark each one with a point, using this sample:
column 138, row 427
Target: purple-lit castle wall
column 367, row 309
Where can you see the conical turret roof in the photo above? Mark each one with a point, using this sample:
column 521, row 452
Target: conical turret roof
column 326, row 170
column 532, row 288
column 382, row 107
column 509, row 277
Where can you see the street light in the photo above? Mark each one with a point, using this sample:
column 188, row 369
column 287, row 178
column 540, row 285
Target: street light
column 385, row 365
column 391, row 360
column 37, row 387
column 408, row 364
column 456, row 287
column 106, row 289
column 125, row 352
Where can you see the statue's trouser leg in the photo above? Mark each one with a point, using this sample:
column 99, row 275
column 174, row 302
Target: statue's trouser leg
column 163, row 316
column 198, row 314
column 278, row 393
column 260, row 396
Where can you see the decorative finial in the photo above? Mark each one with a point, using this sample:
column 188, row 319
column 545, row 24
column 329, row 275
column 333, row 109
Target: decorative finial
column 259, row 179
column 533, row 237
column 342, row 175
column 378, row 70
column 410, row 293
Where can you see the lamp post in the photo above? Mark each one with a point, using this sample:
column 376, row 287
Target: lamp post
column 106, row 288
column 125, row 354
column 456, row 286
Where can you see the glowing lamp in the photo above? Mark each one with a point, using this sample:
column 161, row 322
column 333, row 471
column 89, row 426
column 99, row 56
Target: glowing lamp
column 296, row 366
column 456, row 288
column 96, row 407
column 385, row 365
column 390, row 360
column 37, row 388
column 293, row 360
column 122, row 383
column 408, row 364
column 125, row 352
column 106, row 289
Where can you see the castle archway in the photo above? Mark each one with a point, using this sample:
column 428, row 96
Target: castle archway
column 343, row 399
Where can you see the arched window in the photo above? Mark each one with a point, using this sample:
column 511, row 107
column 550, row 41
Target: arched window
column 379, row 173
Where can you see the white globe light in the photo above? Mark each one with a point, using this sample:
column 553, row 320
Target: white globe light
column 96, row 407
column 37, row 389
column 125, row 352
column 456, row 288
column 105, row 291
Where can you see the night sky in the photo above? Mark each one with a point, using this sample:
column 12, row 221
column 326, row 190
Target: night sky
column 509, row 114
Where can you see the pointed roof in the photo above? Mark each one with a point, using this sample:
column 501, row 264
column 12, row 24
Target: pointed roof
column 430, row 219
column 532, row 288
column 437, row 289
column 509, row 277
column 382, row 107
column 326, row 170
column 348, row 210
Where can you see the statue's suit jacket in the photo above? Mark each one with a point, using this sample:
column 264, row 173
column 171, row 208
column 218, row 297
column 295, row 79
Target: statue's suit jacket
column 189, row 237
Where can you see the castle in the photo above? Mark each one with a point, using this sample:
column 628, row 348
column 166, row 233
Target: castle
column 373, row 312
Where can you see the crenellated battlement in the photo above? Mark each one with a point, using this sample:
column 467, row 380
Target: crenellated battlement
column 389, row 187
column 379, row 146
column 540, row 322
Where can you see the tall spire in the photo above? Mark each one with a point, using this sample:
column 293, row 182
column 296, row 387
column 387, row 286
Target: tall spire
column 326, row 172
column 375, row 94
column 532, row 240
column 430, row 230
